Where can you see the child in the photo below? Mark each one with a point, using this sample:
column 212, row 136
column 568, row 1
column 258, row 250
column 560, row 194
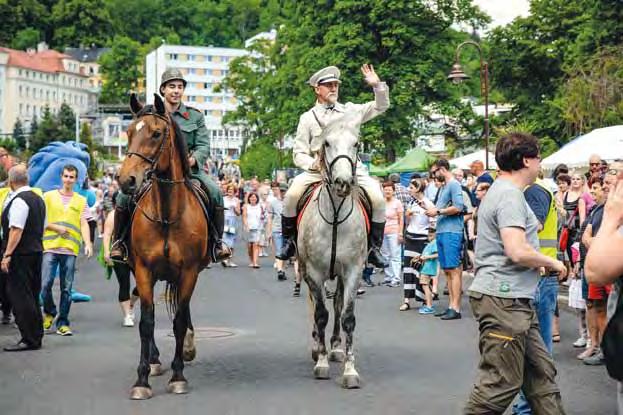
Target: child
column 430, row 264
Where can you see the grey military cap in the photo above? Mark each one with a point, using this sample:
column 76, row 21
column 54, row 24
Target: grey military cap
column 328, row 74
column 172, row 74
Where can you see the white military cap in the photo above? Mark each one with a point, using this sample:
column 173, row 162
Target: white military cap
column 328, row 74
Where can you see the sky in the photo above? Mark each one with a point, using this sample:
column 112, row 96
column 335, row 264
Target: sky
column 504, row 11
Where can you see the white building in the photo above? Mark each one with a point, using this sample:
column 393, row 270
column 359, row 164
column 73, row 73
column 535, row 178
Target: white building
column 204, row 68
column 30, row 80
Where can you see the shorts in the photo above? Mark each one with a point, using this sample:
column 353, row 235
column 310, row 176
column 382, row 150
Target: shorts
column 278, row 242
column 598, row 293
column 426, row 279
column 450, row 249
column 253, row 237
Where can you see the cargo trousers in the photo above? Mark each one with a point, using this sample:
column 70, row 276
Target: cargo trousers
column 513, row 357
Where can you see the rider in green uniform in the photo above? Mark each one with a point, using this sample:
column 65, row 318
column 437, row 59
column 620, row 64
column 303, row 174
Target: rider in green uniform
column 192, row 124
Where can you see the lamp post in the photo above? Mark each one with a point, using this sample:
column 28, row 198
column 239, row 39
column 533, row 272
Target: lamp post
column 457, row 76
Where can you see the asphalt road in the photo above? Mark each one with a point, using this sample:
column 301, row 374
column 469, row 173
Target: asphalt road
column 255, row 357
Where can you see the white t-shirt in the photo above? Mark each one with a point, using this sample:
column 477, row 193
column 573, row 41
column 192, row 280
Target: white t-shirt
column 18, row 213
column 418, row 221
column 254, row 217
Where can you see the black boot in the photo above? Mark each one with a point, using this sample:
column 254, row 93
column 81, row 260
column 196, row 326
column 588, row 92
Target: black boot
column 221, row 250
column 119, row 250
column 288, row 229
column 374, row 242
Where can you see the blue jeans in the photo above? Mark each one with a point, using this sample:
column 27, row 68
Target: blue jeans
column 391, row 249
column 67, row 266
column 278, row 242
column 545, row 299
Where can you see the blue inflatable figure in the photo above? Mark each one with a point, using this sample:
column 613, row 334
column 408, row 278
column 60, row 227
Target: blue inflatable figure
column 45, row 169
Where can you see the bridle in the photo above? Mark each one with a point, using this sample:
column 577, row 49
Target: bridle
column 150, row 173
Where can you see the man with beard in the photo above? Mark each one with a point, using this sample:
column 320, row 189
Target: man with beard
column 326, row 84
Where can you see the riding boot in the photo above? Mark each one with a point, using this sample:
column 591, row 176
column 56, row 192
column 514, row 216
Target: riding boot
column 375, row 241
column 118, row 249
column 221, row 250
column 288, row 229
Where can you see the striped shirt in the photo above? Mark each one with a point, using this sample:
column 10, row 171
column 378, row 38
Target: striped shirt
column 84, row 215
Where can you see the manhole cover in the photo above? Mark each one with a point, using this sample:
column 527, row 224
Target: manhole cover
column 210, row 333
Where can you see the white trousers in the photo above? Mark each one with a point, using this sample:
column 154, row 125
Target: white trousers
column 303, row 180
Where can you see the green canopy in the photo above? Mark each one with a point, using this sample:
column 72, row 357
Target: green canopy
column 378, row 170
column 415, row 160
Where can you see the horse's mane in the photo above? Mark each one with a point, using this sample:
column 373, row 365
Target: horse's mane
column 178, row 140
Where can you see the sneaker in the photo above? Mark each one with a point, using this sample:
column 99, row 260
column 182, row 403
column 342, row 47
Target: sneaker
column 360, row 291
column 64, row 331
column 48, row 319
column 128, row 321
column 441, row 313
column 281, row 276
column 435, row 296
column 595, row 360
column 394, row 284
column 426, row 310
column 451, row 314
column 297, row 290
column 581, row 342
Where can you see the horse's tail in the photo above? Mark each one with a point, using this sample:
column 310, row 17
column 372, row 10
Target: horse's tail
column 172, row 297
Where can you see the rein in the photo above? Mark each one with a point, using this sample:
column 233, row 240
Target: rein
column 335, row 222
column 151, row 176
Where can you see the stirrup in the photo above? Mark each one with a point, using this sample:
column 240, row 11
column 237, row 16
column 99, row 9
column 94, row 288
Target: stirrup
column 221, row 251
column 119, row 252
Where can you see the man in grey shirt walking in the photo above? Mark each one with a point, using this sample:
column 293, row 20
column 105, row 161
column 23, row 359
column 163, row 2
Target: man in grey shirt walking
column 508, row 267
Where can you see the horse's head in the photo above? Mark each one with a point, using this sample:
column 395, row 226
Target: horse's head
column 340, row 147
column 148, row 135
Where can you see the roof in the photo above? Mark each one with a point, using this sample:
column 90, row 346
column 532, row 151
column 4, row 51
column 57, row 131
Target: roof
column 49, row 61
column 86, row 54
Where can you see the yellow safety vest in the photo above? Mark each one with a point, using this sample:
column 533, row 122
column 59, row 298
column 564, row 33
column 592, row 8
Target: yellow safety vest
column 548, row 237
column 68, row 217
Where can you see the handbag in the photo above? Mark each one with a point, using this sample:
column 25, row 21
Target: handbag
column 612, row 340
column 563, row 242
column 575, row 294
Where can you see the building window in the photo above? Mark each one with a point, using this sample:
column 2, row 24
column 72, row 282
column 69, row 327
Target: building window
column 21, row 109
column 191, row 57
column 191, row 71
column 207, row 85
column 209, row 58
column 28, row 109
column 173, row 56
column 205, row 112
column 34, row 110
column 21, row 93
column 47, row 95
column 20, row 72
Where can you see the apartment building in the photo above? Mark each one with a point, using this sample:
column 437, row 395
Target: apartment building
column 32, row 79
column 204, row 69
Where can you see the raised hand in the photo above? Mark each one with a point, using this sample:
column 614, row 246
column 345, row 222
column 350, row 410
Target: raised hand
column 370, row 76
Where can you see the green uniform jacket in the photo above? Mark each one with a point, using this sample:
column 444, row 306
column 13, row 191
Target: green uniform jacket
column 192, row 124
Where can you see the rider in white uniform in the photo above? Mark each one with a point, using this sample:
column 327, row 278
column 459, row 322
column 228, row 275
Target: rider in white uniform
column 307, row 147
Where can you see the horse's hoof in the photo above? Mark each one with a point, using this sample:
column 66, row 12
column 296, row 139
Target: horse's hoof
column 350, row 382
column 189, row 355
column 321, row 372
column 140, row 393
column 155, row 369
column 337, row 355
column 178, row 387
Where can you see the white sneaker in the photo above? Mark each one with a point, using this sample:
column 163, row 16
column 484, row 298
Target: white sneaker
column 128, row 321
column 581, row 342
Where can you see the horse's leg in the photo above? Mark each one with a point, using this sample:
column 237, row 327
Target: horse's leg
column 350, row 377
column 321, row 318
column 178, row 383
column 337, row 353
column 155, row 366
column 189, row 352
column 141, row 389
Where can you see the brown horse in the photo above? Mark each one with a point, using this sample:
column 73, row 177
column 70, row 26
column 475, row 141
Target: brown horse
column 168, row 236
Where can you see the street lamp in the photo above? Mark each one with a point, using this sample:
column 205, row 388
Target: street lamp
column 457, row 76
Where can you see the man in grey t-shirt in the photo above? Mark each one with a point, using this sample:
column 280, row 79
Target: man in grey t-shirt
column 275, row 208
column 513, row 355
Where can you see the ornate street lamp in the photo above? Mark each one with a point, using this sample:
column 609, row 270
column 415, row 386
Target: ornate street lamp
column 457, row 76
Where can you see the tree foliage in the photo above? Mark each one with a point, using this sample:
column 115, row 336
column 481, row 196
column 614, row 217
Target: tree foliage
column 410, row 44
column 260, row 159
column 121, row 70
column 19, row 137
column 86, row 137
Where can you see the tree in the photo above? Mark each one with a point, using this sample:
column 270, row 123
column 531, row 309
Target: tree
column 48, row 130
column 120, row 70
column 87, row 138
column 260, row 159
column 271, row 85
column 26, row 38
column 18, row 135
column 79, row 22
column 67, row 121
column 34, row 126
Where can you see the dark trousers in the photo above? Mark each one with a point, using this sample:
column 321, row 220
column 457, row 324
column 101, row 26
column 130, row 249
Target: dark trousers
column 5, row 307
column 24, row 285
column 513, row 357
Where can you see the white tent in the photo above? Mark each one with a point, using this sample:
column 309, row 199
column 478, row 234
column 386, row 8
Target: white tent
column 607, row 143
column 465, row 161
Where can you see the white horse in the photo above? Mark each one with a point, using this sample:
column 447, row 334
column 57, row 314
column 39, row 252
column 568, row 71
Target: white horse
column 332, row 243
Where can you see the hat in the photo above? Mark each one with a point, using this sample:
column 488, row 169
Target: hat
column 394, row 177
column 328, row 74
column 172, row 74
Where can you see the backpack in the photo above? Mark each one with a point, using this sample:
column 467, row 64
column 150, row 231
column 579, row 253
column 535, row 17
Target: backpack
column 612, row 340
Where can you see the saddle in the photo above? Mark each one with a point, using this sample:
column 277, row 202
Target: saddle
column 363, row 201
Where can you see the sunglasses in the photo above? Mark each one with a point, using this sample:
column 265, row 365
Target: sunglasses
column 594, row 164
